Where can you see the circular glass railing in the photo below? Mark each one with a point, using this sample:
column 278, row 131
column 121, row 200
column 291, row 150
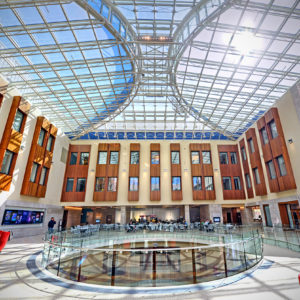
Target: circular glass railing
column 150, row 258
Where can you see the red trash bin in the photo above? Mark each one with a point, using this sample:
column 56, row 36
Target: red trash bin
column 4, row 236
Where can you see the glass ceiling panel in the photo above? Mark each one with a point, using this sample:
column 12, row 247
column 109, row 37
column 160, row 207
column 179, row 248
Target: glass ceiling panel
column 77, row 72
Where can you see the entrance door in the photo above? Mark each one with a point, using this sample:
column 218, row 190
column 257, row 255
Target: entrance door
column 108, row 219
column 229, row 217
column 268, row 216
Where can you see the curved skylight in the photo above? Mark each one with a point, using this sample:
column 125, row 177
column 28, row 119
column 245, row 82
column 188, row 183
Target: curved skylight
column 161, row 69
column 66, row 62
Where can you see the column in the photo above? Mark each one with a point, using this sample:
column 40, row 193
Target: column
column 187, row 213
column 123, row 215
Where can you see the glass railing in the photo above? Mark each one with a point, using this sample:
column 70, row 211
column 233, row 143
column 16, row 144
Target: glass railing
column 150, row 258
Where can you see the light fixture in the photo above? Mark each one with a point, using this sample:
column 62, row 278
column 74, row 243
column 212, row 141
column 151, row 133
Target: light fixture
column 290, row 141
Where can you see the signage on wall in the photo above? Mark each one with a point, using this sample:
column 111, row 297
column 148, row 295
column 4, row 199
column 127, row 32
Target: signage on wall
column 22, row 217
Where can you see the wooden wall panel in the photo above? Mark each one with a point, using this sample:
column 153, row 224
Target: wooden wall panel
column 202, row 170
column 276, row 147
column 107, row 170
column 231, row 170
column 75, row 171
column 134, row 171
column 11, row 139
column 255, row 161
column 1, row 99
column 39, row 154
column 155, row 172
column 176, row 171
column 245, row 165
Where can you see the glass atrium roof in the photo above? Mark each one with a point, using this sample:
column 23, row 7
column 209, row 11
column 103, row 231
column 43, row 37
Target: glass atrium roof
column 157, row 69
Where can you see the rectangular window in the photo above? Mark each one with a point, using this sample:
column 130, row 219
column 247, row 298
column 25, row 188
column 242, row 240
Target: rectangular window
column 271, row 169
column 43, row 176
column 268, row 216
column 251, row 145
column 248, row 181
column 281, row 165
column 6, row 163
column 273, row 129
column 206, row 157
column 102, row 158
column 256, row 175
column 84, row 158
column 195, row 157
column 155, row 184
column 112, row 184
column 176, row 183
column 17, row 124
column 208, row 182
column 223, row 158
column 100, row 184
column 34, row 170
column 197, row 183
column 41, row 137
column 134, row 157
column 175, row 157
column 237, row 183
column 233, row 158
column 154, row 157
column 227, row 184
column 49, row 143
column 264, row 136
column 70, row 183
column 133, row 184
column 114, row 157
column 80, row 187
column 73, row 158
column 244, row 153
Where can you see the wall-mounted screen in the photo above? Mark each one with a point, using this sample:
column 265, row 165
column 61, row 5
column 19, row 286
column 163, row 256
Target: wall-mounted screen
column 21, row 217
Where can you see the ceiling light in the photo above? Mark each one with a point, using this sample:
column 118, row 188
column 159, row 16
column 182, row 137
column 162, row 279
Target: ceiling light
column 245, row 42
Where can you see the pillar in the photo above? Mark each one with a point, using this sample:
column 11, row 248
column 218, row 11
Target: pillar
column 187, row 213
column 123, row 215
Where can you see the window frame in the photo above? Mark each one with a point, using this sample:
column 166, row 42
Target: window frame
column 251, row 145
column 73, row 164
column 256, row 176
column 99, row 156
column 115, row 185
column 233, row 154
column 44, row 135
column 96, row 185
column 174, row 184
column 12, row 155
column 138, row 157
column 172, row 159
column 155, row 183
column 51, row 138
column 239, row 183
column 228, row 178
column 154, row 155
column 224, row 154
column 77, row 184
column 132, row 185
column 43, row 177
column 34, row 164
column 273, row 129
column 271, row 169
column 82, row 159
column 194, row 185
column 205, row 156
column 19, row 128
column 264, row 136
column 112, row 156
column 70, row 179
column 281, row 164
column 210, row 183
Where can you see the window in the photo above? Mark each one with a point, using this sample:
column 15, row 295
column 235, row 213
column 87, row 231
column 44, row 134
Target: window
column 256, row 175
column 134, row 157
column 281, row 165
column 102, row 158
column 133, row 184
column 70, row 183
column 233, row 158
column 197, row 183
column 175, row 158
column 49, row 143
column 43, row 176
column 112, row 184
column 237, row 183
column 208, row 182
column 154, row 184
column 223, row 158
column 251, row 145
column 114, row 157
column 34, row 170
column 6, row 163
column 176, row 183
column 244, row 153
column 206, row 157
column 195, row 157
column 248, row 181
column 84, row 158
column 268, row 216
column 41, row 137
column 154, row 158
column 73, row 158
column 100, row 184
column 227, row 183
column 17, row 124
column 271, row 169
column 80, row 187
column 264, row 136
column 273, row 129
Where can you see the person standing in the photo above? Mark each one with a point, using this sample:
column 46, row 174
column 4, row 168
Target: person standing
column 51, row 225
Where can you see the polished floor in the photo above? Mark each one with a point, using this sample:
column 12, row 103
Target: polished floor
column 22, row 278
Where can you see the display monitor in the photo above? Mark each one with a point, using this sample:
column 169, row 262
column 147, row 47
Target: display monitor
column 22, row 217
